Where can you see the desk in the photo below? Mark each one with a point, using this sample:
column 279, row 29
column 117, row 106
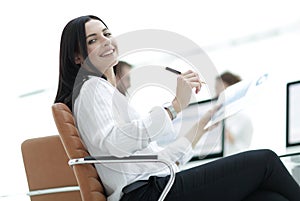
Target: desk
column 292, row 163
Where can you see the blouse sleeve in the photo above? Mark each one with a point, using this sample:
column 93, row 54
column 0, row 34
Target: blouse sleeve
column 179, row 151
column 110, row 125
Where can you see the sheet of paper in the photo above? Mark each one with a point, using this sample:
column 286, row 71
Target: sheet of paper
column 235, row 98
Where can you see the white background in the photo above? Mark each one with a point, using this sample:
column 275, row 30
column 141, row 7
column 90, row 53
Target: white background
column 246, row 37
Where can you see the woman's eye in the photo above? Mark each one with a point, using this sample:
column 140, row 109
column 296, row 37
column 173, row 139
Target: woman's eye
column 91, row 41
column 107, row 34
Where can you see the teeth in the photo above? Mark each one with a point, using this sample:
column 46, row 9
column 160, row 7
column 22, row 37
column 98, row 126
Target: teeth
column 108, row 52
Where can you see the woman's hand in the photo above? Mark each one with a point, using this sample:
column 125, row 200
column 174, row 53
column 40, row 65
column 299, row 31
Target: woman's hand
column 198, row 130
column 185, row 83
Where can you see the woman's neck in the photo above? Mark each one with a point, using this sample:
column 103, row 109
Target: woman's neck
column 109, row 73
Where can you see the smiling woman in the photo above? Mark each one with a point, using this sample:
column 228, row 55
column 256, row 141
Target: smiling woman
column 30, row 45
column 101, row 47
column 101, row 57
column 110, row 126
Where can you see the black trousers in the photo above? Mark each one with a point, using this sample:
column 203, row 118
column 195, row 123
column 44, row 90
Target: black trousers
column 249, row 176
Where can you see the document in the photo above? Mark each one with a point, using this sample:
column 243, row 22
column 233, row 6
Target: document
column 235, row 98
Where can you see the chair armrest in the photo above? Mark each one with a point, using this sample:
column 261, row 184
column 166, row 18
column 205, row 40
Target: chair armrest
column 130, row 159
column 53, row 190
column 113, row 159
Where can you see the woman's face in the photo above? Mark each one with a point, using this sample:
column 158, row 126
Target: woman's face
column 101, row 46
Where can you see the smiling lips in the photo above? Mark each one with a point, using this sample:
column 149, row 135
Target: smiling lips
column 108, row 53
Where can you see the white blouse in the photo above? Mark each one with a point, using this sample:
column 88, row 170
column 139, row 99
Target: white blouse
column 109, row 126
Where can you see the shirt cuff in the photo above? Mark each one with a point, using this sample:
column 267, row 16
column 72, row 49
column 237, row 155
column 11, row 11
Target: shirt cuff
column 185, row 147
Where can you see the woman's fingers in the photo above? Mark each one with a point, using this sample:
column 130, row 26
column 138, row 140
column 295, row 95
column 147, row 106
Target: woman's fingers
column 187, row 72
column 185, row 83
column 191, row 76
column 207, row 116
column 193, row 79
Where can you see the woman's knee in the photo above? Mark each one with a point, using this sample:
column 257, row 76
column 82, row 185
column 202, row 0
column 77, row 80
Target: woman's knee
column 262, row 153
column 269, row 154
column 263, row 156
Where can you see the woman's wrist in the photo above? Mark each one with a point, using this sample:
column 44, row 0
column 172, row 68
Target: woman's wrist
column 176, row 105
column 171, row 110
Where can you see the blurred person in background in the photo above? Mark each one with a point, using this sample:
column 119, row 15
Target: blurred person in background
column 238, row 127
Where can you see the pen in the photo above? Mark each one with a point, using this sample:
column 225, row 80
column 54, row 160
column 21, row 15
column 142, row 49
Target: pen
column 173, row 70
column 178, row 72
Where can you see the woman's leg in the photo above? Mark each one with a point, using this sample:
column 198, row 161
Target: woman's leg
column 265, row 196
column 234, row 178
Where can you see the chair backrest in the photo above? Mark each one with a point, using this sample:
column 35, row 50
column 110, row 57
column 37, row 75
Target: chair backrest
column 46, row 167
column 91, row 188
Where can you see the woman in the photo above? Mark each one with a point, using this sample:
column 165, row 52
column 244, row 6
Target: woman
column 109, row 126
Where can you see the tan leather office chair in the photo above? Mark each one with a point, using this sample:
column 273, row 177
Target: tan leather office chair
column 49, row 176
column 91, row 187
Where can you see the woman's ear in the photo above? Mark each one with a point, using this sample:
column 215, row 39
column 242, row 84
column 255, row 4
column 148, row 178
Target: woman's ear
column 78, row 59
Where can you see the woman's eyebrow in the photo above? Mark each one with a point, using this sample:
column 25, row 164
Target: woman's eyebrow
column 94, row 34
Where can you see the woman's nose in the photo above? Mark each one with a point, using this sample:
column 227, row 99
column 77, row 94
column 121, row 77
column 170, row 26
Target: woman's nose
column 106, row 41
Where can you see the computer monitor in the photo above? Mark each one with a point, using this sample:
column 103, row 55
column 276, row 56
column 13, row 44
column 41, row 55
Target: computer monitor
column 293, row 114
column 211, row 144
column 293, row 129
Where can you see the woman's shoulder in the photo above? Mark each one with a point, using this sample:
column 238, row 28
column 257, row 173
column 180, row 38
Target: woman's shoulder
column 97, row 85
column 94, row 82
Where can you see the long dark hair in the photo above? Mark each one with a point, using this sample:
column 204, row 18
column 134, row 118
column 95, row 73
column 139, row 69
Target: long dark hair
column 73, row 41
